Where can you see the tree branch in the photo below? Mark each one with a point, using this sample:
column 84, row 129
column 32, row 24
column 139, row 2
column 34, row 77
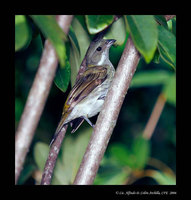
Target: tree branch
column 108, row 116
column 154, row 117
column 37, row 98
column 53, row 154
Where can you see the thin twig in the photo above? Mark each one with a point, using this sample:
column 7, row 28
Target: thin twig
column 154, row 117
column 108, row 116
column 36, row 99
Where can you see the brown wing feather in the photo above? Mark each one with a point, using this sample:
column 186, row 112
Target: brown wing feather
column 91, row 79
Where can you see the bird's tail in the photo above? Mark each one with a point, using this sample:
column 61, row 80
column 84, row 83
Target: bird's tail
column 60, row 126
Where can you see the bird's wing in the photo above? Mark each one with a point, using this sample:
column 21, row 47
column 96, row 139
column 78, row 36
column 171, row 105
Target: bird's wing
column 91, row 78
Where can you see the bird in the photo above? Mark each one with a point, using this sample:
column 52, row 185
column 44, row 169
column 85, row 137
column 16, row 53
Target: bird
column 86, row 97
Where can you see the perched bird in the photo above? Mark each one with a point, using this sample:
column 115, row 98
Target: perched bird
column 86, row 98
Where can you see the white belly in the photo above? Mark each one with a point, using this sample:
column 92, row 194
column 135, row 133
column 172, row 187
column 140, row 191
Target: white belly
column 89, row 106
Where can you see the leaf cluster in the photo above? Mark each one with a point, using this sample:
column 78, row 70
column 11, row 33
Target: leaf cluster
column 125, row 165
column 152, row 40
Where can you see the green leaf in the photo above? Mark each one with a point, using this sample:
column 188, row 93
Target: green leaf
column 150, row 78
column 69, row 159
column 97, row 23
column 167, row 46
column 114, row 176
column 122, row 155
column 134, row 158
column 62, row 77
column 156, row 58
column 111, row 172
column 141, row 151
column 82, row 37
column 60, row 177
column 169, row 90
column 144, row 33
column 52, row 31
column 117, row 32
column 80, row 143
column 23, row 32
column 74, row 56
column 41, row 154
column 73, row 39
column 63, row 74
column 161, row 20
column 174, row 26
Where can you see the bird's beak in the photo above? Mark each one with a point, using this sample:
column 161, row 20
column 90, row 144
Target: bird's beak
column 110, row 42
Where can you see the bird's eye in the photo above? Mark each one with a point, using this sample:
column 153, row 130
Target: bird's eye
column 99, row 49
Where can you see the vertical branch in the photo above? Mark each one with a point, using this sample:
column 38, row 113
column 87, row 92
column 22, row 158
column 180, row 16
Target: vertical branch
column 36, row 99
column 108, row 116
